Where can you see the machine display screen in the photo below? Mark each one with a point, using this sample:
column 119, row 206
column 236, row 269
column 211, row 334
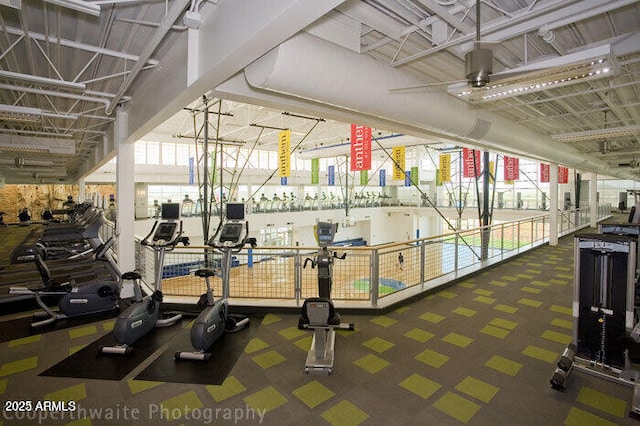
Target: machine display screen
column 165, row 231
column 170, row 211
column 231, row 232
column 235, row 211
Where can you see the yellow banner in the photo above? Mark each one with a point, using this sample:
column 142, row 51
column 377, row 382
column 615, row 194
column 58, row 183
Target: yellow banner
column 509, row 182
column 284, row 156
column 445, row 168
column 398, row 158
column 492, row 167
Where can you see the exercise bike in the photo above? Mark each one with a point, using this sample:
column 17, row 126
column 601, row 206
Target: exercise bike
column 215, row 320
column 144, row 313
column 75, row 299
column 318, row 313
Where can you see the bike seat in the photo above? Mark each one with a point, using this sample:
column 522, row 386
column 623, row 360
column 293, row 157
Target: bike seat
column 132, row 275
column 203, row 273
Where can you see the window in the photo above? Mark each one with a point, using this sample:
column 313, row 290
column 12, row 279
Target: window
column 153, row 153
column 168, row 153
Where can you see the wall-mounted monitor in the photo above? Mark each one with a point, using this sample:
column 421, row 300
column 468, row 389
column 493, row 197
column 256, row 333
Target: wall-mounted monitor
column 235, row 211
column 170, row 211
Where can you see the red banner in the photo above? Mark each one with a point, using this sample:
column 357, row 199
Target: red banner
column 563, row 174
column 360, row 148
column 511, row 168
column 467, row 162
column 544, row 173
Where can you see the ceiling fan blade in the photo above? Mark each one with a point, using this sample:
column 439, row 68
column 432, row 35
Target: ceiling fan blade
column 424, row 86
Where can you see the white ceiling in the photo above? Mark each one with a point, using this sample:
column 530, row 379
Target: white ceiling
column 139, row 57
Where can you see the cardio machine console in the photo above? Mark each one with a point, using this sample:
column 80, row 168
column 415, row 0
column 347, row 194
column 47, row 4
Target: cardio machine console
column 164, row 233
column 325, row 233
column 233, row 230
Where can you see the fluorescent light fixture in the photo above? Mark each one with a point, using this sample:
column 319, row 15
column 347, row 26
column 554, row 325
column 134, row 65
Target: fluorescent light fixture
column 542, row 76
column 18, row 113
column 589, row 135
column 16, row 4
column 37, row 145
column 9, row 75
column 78, row 5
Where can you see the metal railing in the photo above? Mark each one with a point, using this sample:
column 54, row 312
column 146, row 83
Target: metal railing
column 368, row 276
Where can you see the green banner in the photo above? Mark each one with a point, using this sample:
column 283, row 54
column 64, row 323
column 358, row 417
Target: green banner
column 438, row 182
column 414, row 176
column 364, row 177
column 315, row 171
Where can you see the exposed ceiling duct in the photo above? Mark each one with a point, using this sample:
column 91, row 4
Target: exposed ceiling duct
column 316, row 70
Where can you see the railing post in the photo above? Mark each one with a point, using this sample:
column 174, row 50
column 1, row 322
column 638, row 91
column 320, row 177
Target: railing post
column 502, row 241
column 531, row 233
column 518, row 235
column 423, row 256
column 297, row 277
column 455, row 253
column 374, row 280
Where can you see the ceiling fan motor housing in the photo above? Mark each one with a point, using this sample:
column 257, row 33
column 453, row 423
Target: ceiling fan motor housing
column 478, row 66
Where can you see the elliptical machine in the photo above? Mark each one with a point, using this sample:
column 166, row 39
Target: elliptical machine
column 214, row 320
column 318, row 313
column 144, row 313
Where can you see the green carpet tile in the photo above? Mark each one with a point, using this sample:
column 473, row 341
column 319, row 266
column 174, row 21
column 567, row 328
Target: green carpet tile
column 480, row 352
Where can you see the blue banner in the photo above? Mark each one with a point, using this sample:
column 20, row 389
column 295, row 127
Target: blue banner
column 383, row 177
column 283, row 180
column 407, row 178
column 332, row 175
column 191, row 171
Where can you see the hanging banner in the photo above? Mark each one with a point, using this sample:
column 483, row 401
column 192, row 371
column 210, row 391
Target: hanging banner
column 191, row 171
column 283, row 180
column 331, row 175
column 468, row 156
column 407, row 178
column 544, row 173
column 383, row 177
column 398, row 162
column 414, row 175
column 364, row 177
column 511, row 168
column 360, row 148
column 492, row 172
column 284, row 155
column 445, row 167
column 509, row 182
column 315, row 171
column 563, row 174
column 438, row 181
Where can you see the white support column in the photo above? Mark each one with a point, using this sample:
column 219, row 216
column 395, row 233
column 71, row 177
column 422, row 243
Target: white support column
column 593, row 199
column 125, row 188
column 553, row 204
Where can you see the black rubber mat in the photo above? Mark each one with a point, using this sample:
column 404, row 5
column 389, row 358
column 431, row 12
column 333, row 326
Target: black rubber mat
column 19, row 328
column 87, row 363
column 224, row 355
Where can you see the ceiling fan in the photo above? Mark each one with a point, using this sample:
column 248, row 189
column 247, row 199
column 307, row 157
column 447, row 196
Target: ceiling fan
column 481, row 84
column 478, row 64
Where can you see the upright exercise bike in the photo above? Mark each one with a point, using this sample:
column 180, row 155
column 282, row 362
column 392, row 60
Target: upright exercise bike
column 318, row 313
column 144, row 313
column 215, row 320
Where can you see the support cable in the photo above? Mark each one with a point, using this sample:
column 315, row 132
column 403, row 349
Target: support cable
column 425, row 197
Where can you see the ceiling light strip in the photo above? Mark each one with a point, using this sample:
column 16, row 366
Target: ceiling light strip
column 613, row 132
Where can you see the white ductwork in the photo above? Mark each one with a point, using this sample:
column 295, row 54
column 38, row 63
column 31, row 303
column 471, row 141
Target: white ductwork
column 316, row 70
